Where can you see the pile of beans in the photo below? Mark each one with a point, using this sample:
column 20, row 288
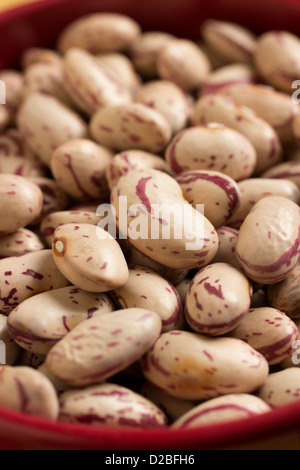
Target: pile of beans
column 150, row 331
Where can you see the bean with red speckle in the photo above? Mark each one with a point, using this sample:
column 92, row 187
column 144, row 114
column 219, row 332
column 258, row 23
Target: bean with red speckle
column 20, row 242
column 281, row 388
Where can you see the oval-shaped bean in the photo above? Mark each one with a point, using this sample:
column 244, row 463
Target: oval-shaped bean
column 47, row 123
column 110, row 405
column 54, row 198
column 218, row 108
column 13, row 143
column 19, row 243
column 78, row 166
column 254, row 189
column 131, row 126
column 293, row 359
column 13, row 90
column 123, row 68
column 27, row 390
column 99, row 32
column 273, row 226
column 268, row 331
column 167, row 98
column 12, row 349
column 226, row 250
column 39, row 55
column 281, row 388
column 27, row 275
column 50, row 222
column 90, row 83
column 184, row 63
column 212, row 147
column 191, row 366
column 222, row 409
column 15, row 165
column 228, row 75
column 168, row 232
column 98, row 348
column 219, row 194
column 162, row 298
column 285, row 295
column 59, row 385
column 41, row 321
column 218, row 297
column 20, row 202
column 286, row 170
column 277, row 58
column 131, row 160
column 89, row 257
column 231, row 41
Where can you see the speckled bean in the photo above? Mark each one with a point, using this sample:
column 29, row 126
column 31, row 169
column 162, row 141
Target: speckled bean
column 12, row 349
column 233, row 74
column 131, row 126
column 19, row 243
column 16, row 165
column 98, row 348
column 293, row 359
column 285, row 295
column 42, row 320
column 281, row 388
column 123, row 68
column 226, row 250
column 196, row 367
column 218, row 297
column 89, row 257
column 27, row 390
column 273, row 226
column 285, row 170
column 54, row 198
column 222, row 409
column 111, row 405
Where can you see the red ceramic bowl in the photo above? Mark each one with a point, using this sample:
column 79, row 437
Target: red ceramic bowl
column 38, row 24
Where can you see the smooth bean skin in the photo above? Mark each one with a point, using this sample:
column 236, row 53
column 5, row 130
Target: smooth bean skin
column 27, row 390
column 273, row 227
column 99, row 32
column 182, row 288
column 293, row 359
column 112, row 405
column 226, row 251
column 54, row 198
column 217, row 108
column 27, row 275
column 285, row 295
column 20, row 202
column 59, row 385
column 78, row 166
column 254, row 189
column 152, row 188
column 12, row 349
column 268, row 331
column 41, row 321
column 285, row 170
column 20, row 242
column 162, row 298
column 40, row 55
column 89, row 257
column 100, row 347
column 16, row 165
column 281, row 388
column 218, row 297
column 191, row 366
column 219, row 194
column 222, row 409
column 46, row 123
column 131, row 126
column 212, row 147
column 228, row 75
column 123, row 68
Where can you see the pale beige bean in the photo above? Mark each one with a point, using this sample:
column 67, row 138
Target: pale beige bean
column 89, row 257
column 90, row 206
column 50, row 222
column 184, row 63
column 233, row 74
column 16, row 165
column 98, row 348
column 54, row 198
column 40, row 322
column 293, row 359
column 268, row 331
column 145, row 49
column 231, row 407
column 182, row 288
column 111, row 405
column 277, row 58
column 213, row 147
column 155, row 200
column 230, row 41
column 20, row 202
column 131, row 126
column 254, row 189
column 162, row 298
column 191, row 366
column 39, row 55
column 285, row 295
column 59, row 385
column 219, row 194
column 131, row 160
column 281, row 388
column 13, row 143
column 99, row 32
column 273, row 227
column 27, row 390
column 27, row 275
column 168, row 99
column 90, row 83
column 123, row 69
column 13, row 90
column 217, row 108
column 285, row 170
column 46, row 123
column 218, row 297
column 79, row 166
column 226, row 251
column 19, row 243
column 12, row 349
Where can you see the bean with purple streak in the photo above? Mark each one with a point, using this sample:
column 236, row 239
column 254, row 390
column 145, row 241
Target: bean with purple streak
column 228, row 75
column 281, row 388
column 123, row 68
column 54, row 198
column 20, row 242
column 287, row 170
